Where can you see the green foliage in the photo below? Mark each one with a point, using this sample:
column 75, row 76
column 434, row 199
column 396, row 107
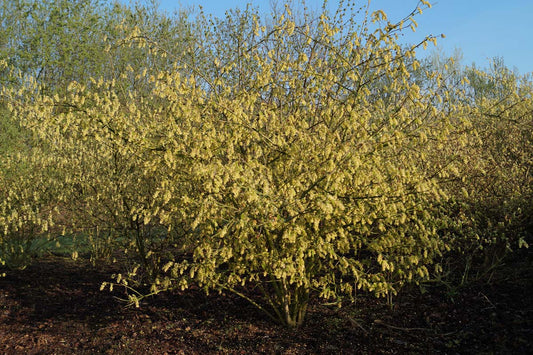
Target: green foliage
column 59, row 42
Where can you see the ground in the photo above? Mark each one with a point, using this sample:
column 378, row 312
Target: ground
column 55, row 306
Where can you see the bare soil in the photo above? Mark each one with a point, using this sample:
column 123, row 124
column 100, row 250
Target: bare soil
column 55, row 306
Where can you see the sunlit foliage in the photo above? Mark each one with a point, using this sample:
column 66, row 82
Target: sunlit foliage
column 306, row 155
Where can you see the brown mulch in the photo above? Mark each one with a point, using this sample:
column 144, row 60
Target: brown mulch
column 55, row 306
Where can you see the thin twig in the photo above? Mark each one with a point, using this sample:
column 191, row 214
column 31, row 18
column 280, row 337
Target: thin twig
column 354, row 322
column 380, row 322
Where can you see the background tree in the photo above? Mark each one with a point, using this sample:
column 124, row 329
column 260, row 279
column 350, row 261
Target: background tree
column 66, row 45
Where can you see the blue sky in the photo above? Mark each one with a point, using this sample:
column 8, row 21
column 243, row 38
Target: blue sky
column 482, row 29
